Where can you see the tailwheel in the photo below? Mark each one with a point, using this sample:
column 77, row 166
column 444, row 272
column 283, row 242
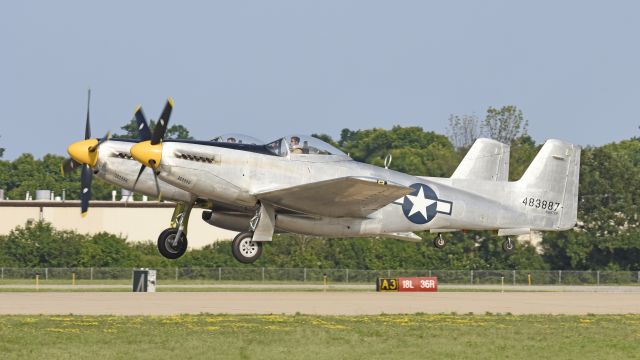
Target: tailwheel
column 169, row 247
column 508, row 245
column 244, row 249
column 439, row 242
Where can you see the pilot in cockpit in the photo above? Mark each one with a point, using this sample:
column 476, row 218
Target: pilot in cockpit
column 295, row 145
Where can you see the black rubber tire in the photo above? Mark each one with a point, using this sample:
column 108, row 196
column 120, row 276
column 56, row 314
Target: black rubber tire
column 164, row 244
column 233, row 248
column 508, row 246
column 439, row 242
column 245, row 250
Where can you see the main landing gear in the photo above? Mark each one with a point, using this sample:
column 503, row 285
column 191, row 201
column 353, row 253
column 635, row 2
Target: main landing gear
column 172, row 242
column 246, row 247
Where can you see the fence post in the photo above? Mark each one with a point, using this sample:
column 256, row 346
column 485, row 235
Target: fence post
column 388, row 273
column 91, row 273
column 304, row 276
column 262, row 274
column 514, row 278
column 176, row 273
column 559, row 277
column 2, row 274
column 471, row 277
column 598, row 277
column 638, row 276
column 219, row 274
column 46, row 273
column 347, row 276
column 429, row 273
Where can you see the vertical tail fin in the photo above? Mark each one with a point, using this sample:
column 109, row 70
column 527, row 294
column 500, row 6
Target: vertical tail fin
column 486, row 160
column 553, row 176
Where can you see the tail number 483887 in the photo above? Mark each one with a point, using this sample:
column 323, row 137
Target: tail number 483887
column 541, row 204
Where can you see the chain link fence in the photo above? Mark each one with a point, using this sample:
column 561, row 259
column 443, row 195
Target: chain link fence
column 311, row 275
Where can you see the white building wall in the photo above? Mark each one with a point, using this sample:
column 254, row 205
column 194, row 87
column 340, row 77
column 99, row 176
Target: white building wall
column 136, row 224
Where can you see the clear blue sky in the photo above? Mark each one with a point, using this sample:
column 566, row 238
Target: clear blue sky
column 268, row 68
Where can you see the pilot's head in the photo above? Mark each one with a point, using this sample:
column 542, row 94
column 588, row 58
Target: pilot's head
column 231, row 140
column 295, row 140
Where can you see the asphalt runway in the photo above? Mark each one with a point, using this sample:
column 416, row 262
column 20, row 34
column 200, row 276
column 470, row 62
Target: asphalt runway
column 319, row 303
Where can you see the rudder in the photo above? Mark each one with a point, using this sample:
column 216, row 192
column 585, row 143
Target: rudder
column 553, row 175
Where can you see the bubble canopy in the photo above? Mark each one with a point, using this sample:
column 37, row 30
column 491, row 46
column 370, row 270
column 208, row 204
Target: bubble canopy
column 238, row 138
column 302, row 145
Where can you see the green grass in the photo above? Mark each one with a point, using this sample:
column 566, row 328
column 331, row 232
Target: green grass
column 320, row 337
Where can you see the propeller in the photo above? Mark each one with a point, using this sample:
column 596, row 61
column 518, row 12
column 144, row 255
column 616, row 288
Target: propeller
column 85, row 153
column 149, row 151
column 68, row 166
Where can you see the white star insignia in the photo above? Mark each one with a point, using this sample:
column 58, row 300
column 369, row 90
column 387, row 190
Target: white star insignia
column 420, row 203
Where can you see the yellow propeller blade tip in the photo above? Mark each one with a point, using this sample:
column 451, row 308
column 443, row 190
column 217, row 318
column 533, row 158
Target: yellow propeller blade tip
column 170, row 100
column 137, row 109
column 84, row 214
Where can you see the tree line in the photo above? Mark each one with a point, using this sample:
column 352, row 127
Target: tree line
column 607, row 236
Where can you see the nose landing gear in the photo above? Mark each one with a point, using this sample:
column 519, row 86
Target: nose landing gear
column 169, row 247
column 172, row 242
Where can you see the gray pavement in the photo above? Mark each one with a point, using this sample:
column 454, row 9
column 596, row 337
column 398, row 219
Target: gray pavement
column 321, row 303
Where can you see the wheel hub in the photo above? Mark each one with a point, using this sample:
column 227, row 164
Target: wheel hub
column 248, row 248
column 168, row 242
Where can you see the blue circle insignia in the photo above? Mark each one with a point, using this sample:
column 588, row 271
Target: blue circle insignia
column 421, row 206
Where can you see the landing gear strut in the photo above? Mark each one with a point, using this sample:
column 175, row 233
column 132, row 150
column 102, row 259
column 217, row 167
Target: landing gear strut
column 508, row 245
column 439, row 242
column 244, row 249
column 172, row 242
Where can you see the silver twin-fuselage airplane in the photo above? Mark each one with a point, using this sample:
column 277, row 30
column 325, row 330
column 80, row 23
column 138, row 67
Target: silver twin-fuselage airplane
column 300, row 184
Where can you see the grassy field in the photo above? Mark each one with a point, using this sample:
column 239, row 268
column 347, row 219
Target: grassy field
column 320, row 337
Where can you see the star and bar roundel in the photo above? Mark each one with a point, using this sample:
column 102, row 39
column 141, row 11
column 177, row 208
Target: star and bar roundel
column 422, row 205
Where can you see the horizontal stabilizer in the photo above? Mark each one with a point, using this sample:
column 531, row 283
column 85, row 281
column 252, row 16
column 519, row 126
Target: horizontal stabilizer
column 405, row 236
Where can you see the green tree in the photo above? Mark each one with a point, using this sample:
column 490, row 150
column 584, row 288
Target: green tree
column 38, row 244
column 26, row 173
column 504, row 124
column 463, row 130
column 523, row 151
column 608, row 231
column 414, row 150
column 107, row 250
column 1, row 151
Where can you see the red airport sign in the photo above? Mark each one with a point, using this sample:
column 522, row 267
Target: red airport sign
column 408, row 284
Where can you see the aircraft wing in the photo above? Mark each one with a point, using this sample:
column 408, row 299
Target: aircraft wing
column 341, row 197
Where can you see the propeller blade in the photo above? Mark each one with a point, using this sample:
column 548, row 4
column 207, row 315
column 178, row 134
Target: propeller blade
column 85, row 189
column 138, row 178
column 105, row 138
column 143, row 126
column 87, row 127
column 68, row 165
column 161, row 126
column 155, row 177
